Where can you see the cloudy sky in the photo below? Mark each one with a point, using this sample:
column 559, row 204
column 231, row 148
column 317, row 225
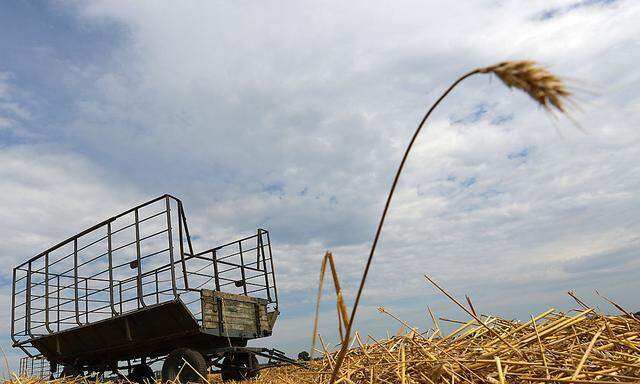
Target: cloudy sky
column 292, row 116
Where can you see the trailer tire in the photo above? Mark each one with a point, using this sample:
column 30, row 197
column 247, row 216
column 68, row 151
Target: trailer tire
column 140, row 373
column 71, row 371
column 239, row 366
column 189, row 374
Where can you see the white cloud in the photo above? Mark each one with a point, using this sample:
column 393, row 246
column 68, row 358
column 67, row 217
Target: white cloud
column 12, row 113
column 49, row 195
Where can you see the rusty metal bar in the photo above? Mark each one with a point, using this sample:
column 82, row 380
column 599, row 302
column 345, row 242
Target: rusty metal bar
column 139, row 262
column 27, row 313
column 86, row 301
column 220, row 305
column 75, row 280
column 13, row 306
column 173, row 268
column 184, row 265
column 157, row 289
column 58, row 303
column 120, row 293
column 244, row 285
column 273, row 271
column 186, row 227
column 46, row 293
column 258, row 250
column 214, row 259
column 110, row 258
column 264, row 265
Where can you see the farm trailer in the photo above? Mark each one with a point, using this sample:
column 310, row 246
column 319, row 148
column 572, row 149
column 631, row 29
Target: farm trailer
column 131, row 290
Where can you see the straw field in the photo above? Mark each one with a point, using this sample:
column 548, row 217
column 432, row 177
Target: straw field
column 580, row 346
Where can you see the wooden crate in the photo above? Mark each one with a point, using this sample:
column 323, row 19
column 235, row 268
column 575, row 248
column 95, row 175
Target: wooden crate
column 230, row 312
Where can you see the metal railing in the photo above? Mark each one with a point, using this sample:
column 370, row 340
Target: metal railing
column 244, row 267
column 36, row 367
column 140, row 257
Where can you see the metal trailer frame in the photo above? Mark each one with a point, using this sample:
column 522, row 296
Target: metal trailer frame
column 132, row 287
column 37, row 367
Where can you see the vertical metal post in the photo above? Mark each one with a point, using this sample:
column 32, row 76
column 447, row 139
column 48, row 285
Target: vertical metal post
column 75, row 280
column 13, row 305
column 220, row 308
column 273, row 272
column 139, row 277
column 86, row 300
column 58, row 303
column 120, row 294
column 184, row 264
column 258, row 250
column 264, row 264
column 186, row 227
column 110, row 257
column 27, row 314
column 244, row 281
column 157, row 289
column 214, row 258
column 173, row 270
column 46, row 293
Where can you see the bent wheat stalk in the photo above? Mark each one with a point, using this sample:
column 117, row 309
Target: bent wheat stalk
column 544, row 87
column 343, row 315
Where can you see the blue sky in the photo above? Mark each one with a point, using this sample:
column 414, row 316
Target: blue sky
column 292, row 117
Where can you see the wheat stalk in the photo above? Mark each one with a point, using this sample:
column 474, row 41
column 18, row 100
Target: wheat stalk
column 544, row 87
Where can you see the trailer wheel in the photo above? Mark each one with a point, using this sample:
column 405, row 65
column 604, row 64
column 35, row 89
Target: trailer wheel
column 71, row 371
column 194, row 372
column 141, row 373
column 239, row 366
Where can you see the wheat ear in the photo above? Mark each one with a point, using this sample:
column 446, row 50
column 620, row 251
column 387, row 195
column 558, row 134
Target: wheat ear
column 543, row 86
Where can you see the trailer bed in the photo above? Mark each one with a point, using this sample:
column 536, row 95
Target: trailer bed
column 132, row 287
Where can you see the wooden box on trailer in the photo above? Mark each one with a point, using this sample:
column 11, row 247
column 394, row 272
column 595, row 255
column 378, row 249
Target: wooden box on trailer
column 233, row 314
